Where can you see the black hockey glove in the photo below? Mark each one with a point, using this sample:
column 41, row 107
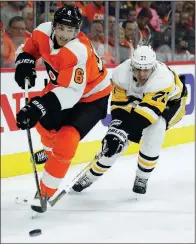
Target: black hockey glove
column 25, row 68
column 30, row 114
column 115, row 139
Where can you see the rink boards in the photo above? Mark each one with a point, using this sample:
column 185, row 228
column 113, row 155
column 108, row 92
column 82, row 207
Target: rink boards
column 14, row 145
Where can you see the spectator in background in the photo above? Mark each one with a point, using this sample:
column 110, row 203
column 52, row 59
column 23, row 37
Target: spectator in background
column 163, row 8
column 182, row 53
column 179, row 6
column 95, row 11
column 7, row 49
column 17, row 31
column 130, row 33
column 144, row 32
column 96, row 36
column 189, row 7
column 155, row 20
column 182, row 47
column 182, row 28
column 185, row 21
column 124, row 5
column 132, row 15
column 177, row 17
column 12, row 9
column 125, row 42
column 112, row 8
column 111, row 29
column 2, row 4
column 164, row 52
column 28, row 19
column 162, row 45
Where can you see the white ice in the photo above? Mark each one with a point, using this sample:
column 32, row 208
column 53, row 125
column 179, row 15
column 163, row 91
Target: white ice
column 106, row 212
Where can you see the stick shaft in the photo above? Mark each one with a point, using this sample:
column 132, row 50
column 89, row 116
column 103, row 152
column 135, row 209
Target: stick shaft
column 31, row 150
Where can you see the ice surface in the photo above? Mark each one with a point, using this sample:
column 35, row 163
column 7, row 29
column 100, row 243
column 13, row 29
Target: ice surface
column 107, row 211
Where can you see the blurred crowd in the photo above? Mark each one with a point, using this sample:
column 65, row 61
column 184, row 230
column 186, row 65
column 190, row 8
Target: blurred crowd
column 140, row 22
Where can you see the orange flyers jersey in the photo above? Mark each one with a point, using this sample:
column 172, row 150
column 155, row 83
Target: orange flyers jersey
column 93, row 13
column 76, row 72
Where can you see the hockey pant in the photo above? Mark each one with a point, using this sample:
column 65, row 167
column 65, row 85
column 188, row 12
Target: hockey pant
column 60, row 144
column 60, row 147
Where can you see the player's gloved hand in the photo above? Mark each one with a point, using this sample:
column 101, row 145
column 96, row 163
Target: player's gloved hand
column 114, row 141
column 30, row 114
column 25, row 68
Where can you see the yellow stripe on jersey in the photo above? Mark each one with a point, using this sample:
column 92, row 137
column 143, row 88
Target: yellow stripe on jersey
column 158, row 99
column 118, row 94
column 153, row 104
column 179, row 113
column 126, row 108
column 120, row 98
column 179, row 86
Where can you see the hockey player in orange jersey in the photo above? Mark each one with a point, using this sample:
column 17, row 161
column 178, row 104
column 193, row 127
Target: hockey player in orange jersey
column 76, row 97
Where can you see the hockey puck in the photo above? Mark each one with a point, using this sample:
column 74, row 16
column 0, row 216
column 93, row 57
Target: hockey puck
column 35, row 232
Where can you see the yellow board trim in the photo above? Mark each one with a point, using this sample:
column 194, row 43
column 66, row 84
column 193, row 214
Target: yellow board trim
column 19, row 163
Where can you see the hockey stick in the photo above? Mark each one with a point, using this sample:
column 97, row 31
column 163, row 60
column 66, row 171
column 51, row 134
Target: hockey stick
column 67, row 190
column 43, row 201
column 53, row 202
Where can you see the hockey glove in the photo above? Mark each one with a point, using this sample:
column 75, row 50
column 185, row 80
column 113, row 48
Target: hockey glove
column 25, row 68
column 30, row 114
column 115, row 140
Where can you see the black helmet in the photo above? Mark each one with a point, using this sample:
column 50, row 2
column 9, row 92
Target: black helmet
column 68, row 15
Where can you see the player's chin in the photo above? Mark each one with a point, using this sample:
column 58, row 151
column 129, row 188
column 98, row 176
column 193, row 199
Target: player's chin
column 61, row 42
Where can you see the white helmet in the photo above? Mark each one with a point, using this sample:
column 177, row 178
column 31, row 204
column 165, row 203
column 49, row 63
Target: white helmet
column 143, row 57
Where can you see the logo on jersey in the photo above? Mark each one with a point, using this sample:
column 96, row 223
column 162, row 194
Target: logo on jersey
column 53, row 74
